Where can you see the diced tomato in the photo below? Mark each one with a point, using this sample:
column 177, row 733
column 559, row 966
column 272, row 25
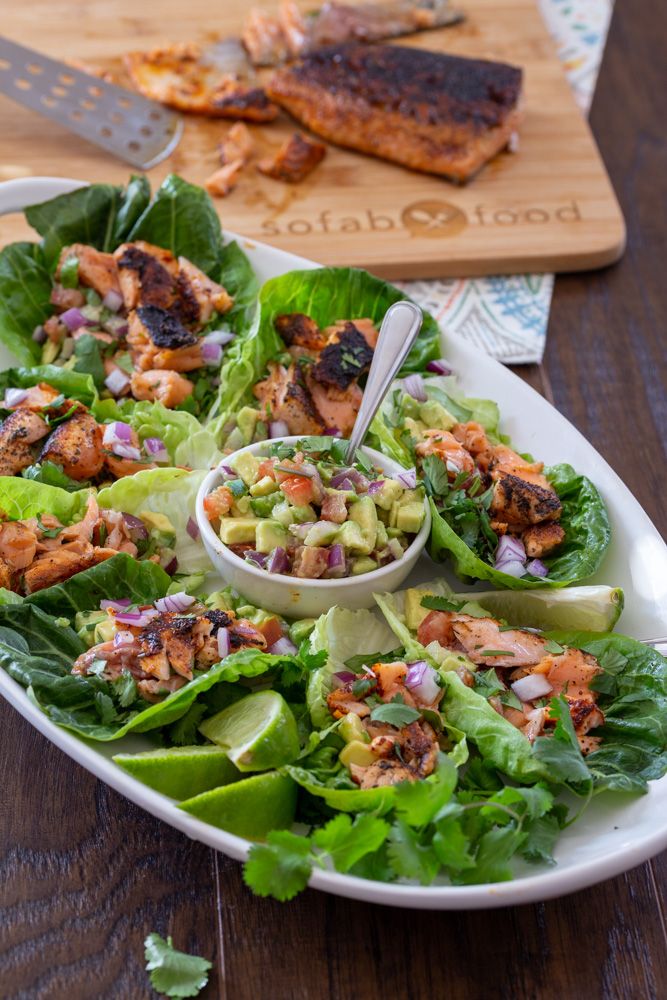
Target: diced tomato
column 266, row 469
column 298, row 490
column 218, row 502
column 436, row 626
column 271, row 630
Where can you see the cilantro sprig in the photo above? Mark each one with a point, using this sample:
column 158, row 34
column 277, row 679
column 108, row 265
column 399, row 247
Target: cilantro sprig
column 174, row 973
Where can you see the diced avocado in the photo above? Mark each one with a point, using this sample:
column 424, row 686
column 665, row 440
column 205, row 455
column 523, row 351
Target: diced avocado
column 247, row 466
column 157, row 522
column 394, row 533
column 364, row 514
column 302, row 515
column 246, row 420
column 85, row 623
column 219, row 601
column 263, row 506
column 351, row 538
column 261, row 431
column 105, row 630
column 410, row 517
column 234, row 440
column 381, row 538
column 391, row 491
column 269, row 535
column 351, row 729
column 393, row 514
column 241, row 506
column 414, row 612
column 410, row 406
column 284, row 513
column 362, row 564
column 322, row 533
column 298, row 631
column 238, row 530
column 415, row 427
column 358, row 753
column 263, row 487
column 435, row 416
column 50, row 352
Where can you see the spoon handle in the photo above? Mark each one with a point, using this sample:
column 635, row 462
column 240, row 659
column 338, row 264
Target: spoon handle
column 400, row 326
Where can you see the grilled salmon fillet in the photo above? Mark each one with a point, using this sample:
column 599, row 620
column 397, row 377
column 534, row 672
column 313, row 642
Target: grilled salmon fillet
column 437, row 113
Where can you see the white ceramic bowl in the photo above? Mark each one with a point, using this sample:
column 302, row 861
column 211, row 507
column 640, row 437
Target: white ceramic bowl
column 292, row 596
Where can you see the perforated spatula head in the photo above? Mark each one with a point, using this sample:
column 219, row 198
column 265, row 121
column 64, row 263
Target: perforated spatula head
column 130, row 126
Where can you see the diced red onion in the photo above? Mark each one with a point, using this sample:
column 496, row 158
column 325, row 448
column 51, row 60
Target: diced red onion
column 278, row 428
column 342, row 677
column 221, row 337
column 375, row 487
column 510, row 552
column 439, row 367
column 117, row 431
column 74, row 319
column 414, row 386
column 174, row 602
column 537, row 568
column 137, row 618
column 137, row 528
column 14, row 397
column 171, row 566
column 127, row 451
column 156, row 449
column 118, row 605
column 359, row 481
column 333, row 432
column 300, row 530
column 224, row 644
column 336, row 564
column 192, row 528
column 407, row 478
column 211, row 353
column 422, row 680
column 531, row 686
column 282, row 647
column 123, row 638
column 39, row 334
column 117, row 326
column 113, row 300
column 512, row 567
column 256, row 558
column 117, row 382
column 277, row 561
column 344, row 484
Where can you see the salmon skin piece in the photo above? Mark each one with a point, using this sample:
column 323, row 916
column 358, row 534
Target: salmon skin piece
column 437, row 113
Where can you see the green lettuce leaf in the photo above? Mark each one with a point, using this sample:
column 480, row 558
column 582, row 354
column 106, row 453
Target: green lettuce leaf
column 25, row 289
column 188, row 443
column 23, row 498
column 133, row 204
column 238, row 277
column 87, row 215
column 171, row 492
column 74, row 385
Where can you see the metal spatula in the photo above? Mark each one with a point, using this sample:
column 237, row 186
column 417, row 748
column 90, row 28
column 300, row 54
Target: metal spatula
column 137, row 130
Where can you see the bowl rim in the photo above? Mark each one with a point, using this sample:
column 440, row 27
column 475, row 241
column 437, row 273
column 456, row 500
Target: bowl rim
column 338, row 583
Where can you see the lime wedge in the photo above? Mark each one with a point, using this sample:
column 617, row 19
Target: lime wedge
column 180, row 772
column 258, row 733
column 591, row 609
column 249, row 808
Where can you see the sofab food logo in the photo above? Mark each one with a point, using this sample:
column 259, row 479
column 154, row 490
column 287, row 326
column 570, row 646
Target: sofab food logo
column 433, row 219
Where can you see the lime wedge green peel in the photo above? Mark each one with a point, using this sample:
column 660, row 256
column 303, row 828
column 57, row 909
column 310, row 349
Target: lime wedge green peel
column 180, row 772
column 249, row 808
column 258, row 733
column 590, row 609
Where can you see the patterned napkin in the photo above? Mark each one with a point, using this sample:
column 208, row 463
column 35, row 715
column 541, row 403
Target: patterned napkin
column 507, row 316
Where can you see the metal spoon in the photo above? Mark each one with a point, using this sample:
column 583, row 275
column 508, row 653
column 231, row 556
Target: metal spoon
column 399, row 330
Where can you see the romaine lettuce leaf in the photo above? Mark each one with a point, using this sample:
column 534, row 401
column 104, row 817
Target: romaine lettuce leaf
column 171, row 492
column 74, row 385
column 22, row 498
column 25, row 289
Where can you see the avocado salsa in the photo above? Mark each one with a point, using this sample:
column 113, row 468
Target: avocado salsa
column 302, row 510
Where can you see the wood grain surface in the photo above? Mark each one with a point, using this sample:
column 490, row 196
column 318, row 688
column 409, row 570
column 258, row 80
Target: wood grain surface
column 550, row 207
column 85, row 875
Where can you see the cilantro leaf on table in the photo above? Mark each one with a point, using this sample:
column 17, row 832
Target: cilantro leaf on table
column 281, row 867
column 395, row 713
column 172, row 972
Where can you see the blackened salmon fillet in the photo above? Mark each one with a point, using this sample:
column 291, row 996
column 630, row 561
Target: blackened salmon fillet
column 437, row 113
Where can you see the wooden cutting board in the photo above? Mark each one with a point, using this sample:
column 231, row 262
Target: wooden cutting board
column 550, row 206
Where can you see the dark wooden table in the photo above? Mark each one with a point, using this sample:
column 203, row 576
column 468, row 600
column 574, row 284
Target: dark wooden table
column 85, row 875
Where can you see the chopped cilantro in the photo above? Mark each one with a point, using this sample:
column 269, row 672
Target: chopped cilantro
column 395, row 713
column 363, row 686
column 496, row 652
column 553, row 647
column 434, row 603
column 48, row 532
column 172, row 972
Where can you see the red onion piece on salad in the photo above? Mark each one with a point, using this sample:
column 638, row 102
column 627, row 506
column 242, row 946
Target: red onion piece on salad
column 375, row 486
column 333, row 432
column 343, row 677
column 211, row 353
column 414, row 386
column 136, row 527
column 282, row 647
column 171, row 566
column 537, row 568
column 192, row 529
column 113, row 300
column 301, row 530
column 224, row 644
column 278, row 428
column 512, row 567
column 156, row 449
column 123, row 638
column 175, row 602
column 336, row 564
column 116, row 382
column 221, row 337
column 256, row 558
column 137, row 618
column 277, row 561
column 421, row 679
column 39, row 334
column 117, row 605
column 74, row 319
column 511, row 556
column 117, row 431
column 14, row 397
column 407, row 478
column 439, row 367
column 531, row 686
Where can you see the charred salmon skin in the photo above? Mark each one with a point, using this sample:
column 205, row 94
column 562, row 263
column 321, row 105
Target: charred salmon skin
column 437, row 113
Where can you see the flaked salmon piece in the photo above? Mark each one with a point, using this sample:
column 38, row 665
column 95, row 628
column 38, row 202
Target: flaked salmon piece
column 237, row 145
column 570, row 673
column 121, row 467
column 206, row 294
column 334, row 508
column 442, row 114
column 294, row 160
column 83, row 529
column 382, row 773
column 310, row 562
column 337, row 407
column 18, row 545
column 60, row 564
column 97, row 270
column 147, row 275
column 473, row 438
column 18, row 432
column 541, row 539
column 167, row 387
column 223, row 180
column 37, row 397
column 187, row 77
column 286, row 397
column 55, row 330
column 66, row 298
column 99, row 335
column 151, row 330
column 155, row 691
column 504, row 460
column 299, row 330
column 346, row 358
column 76, row 445
column 449, row 449
column 366, row 327
column 5, row 575
column 477, row 636
column 183, row 359
column 522, row 503
column 264, row 38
